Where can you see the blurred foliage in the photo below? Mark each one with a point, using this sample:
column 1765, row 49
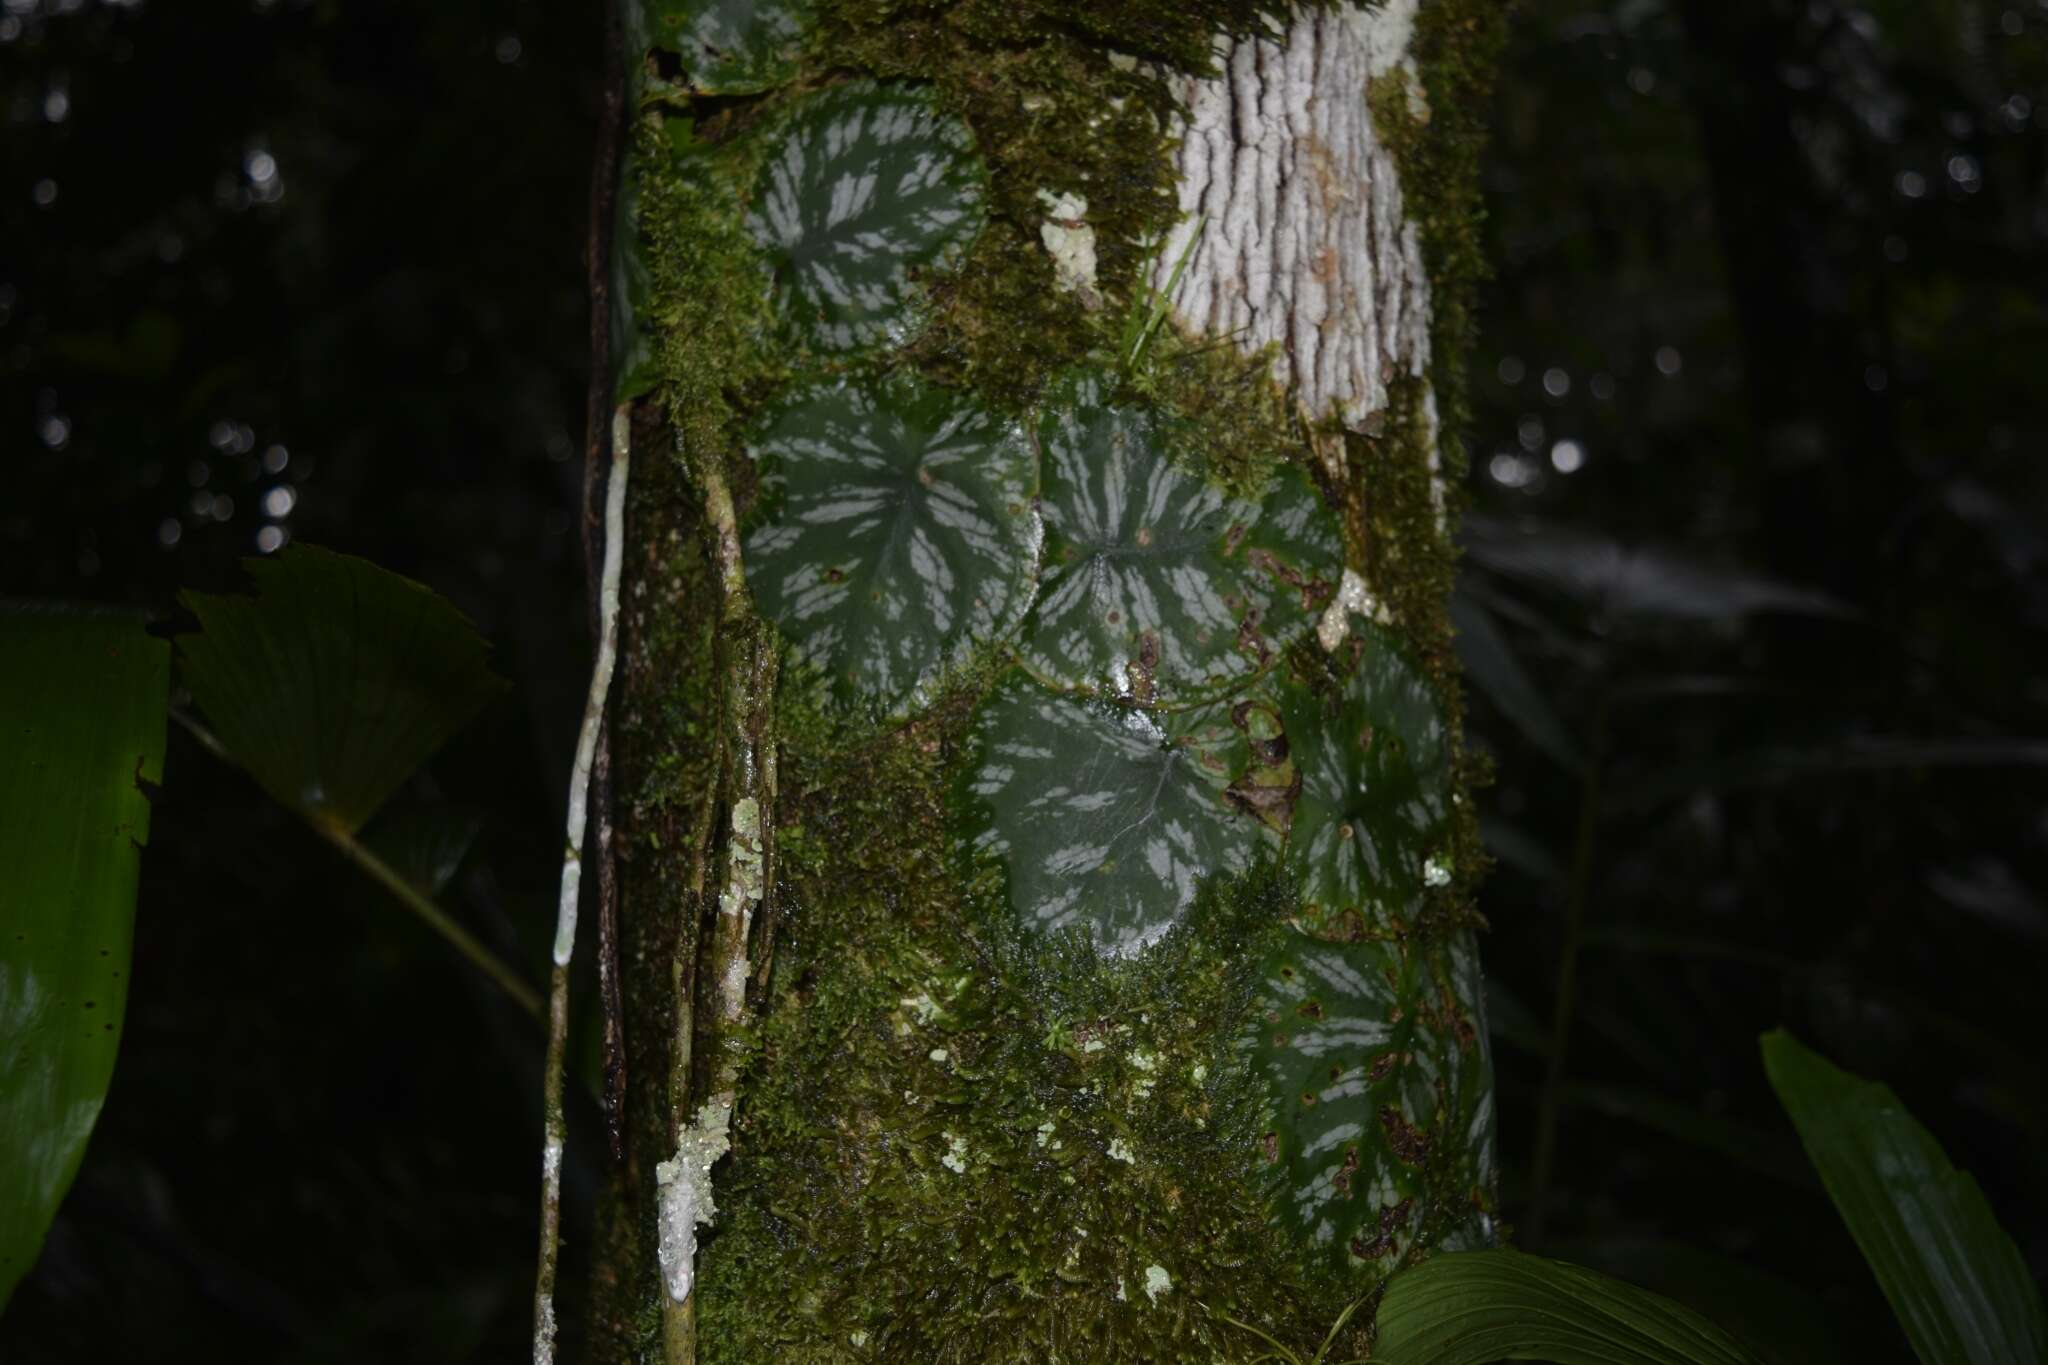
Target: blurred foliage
column 1753, row 608
column 1757, row 574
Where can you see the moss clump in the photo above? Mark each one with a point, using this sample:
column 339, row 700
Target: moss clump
column 965, row 1144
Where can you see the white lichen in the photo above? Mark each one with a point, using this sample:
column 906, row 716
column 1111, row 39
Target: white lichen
column 1435, row 873
column 955, row 1159
column 1157, row 1282
column 683, row 1195
column 1119, row 1150
column 1045, row 1132
column 1070, row 241
column 938, row 1054
column 1353, row 598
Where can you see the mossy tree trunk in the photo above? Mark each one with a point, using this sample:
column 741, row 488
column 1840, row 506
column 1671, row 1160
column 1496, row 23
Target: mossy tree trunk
column 1042, row 821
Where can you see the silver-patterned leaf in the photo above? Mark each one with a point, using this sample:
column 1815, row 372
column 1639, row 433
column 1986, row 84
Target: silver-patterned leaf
column 1157, row 585
column 868, row 190
column 1375, row 781
column 729, row 47
column 1106, row 816
column 1380, row 1094
column 900, row 531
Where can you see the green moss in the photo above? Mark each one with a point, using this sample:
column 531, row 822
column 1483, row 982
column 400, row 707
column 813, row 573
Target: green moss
column 896, row 1193
column 959, row 1139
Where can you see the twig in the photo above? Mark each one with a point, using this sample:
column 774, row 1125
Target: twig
column 554, row 1118
column 409, row 895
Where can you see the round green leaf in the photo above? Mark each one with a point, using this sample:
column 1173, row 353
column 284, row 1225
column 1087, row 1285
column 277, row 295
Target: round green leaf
column 1374, row 785
column 1157, row 585
column 868, row 190
column 730, row 47
column 1377, row 1080
column 1106, row 816
column 901, row 531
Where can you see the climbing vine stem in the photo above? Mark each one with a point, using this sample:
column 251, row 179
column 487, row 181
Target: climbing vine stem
column 555, row 1123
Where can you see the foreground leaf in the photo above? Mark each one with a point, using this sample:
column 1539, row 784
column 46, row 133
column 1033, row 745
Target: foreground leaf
column 868, row 190
column 1468, row 1308
column 1106, row 816
column 82, row 699
column 335, row 682
column 1955, row 1279
column 1157, row 584
column 1375, row 790
column 901, row 532
column 1378, row 1082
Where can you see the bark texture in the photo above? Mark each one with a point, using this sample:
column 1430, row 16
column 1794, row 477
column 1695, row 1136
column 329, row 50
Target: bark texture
column 1293, row 202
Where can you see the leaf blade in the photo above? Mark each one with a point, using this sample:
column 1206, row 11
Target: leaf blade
column 1471, row 1307
column 82, row 706
column 1955, row 1279
column 336, row 681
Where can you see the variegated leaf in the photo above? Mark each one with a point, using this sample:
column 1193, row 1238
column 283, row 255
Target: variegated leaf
column 868, row 191
column 1106, row 816
column 1379, row 1084
column 730, row 47
column 1375, row 779
column 1157, row 585
column 900, row 530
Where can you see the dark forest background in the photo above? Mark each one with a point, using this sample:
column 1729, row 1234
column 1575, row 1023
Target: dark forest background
column 1754, row 611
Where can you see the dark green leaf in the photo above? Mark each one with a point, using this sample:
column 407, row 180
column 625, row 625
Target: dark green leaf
column 1957, row 1282
column 1778, row 1319
column 1106, row 816
column 729, row 47
column 1156, row 584
column 867, row 192
column 1377, row 1072
column 1375, row 781
column 901, row 532
column 82, row 697
column 1468, row 1308
column 335, row 682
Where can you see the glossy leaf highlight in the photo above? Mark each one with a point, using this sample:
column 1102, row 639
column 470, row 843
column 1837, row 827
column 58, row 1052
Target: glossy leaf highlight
column 82, row 698
column 335, row 682
column 868, row 191
column 1106, row 816
column 1472, row 1307
column 1958, row 1284
column 900, row 533
column 1157, row 585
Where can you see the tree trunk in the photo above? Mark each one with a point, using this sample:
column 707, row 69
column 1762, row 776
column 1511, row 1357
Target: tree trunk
column 1043, row 835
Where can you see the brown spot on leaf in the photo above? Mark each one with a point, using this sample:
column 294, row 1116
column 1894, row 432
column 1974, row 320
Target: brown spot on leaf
column 1404, row 1139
